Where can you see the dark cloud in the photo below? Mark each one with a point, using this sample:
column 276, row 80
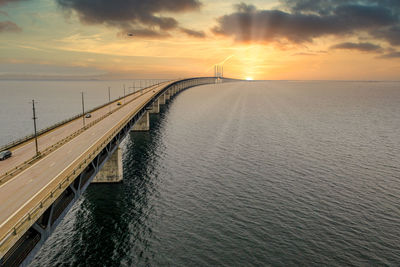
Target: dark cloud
column 142, row 16
column 391, row 34
column 327, row 7
column 365, row 47
column 304, row 20
column 193, row 33
column 391, row 55
column 9, row 26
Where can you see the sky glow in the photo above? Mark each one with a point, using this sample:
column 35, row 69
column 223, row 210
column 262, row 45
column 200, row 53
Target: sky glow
column 288, row 39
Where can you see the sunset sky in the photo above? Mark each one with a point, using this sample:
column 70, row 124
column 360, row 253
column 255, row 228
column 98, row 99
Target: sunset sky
column 270, row 39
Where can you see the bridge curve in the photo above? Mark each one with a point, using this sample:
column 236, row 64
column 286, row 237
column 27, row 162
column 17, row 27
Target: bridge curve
column 37, row 192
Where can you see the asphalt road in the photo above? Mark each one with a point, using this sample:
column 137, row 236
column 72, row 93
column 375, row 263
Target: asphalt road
column 27, row 150
column 24, row 191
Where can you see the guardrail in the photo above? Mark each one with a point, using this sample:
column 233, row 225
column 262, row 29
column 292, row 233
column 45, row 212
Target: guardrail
column 4, row 177
column 51, row 127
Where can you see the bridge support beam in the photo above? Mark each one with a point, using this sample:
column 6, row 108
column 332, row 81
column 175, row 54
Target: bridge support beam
column 112, row 169
column 143, row 124
column 155, row 108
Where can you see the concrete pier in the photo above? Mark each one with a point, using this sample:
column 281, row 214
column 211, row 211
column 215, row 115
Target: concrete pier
column 167, row 95
column 143, row 124
column 155, row 108
column 111, row 172
column 161, row 99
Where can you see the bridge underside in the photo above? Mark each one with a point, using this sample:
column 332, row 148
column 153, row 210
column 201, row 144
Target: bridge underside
column 105, row 167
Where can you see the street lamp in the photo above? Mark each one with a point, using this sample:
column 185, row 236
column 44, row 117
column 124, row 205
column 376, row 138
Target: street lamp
column 109, row 99
column 83, row 110
column 34, row 127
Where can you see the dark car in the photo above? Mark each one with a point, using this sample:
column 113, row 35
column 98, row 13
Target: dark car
column 88, row 115
column 5, row 154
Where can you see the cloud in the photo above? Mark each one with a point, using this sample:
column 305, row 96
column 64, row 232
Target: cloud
column 193, row 33
column 365, row 47
column 9, row 26
column 300, row 21
column 391, row 34
column 137, row 16
column 325, row 7
column 391, row 55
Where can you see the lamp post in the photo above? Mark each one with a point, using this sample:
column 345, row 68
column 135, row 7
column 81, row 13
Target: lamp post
column 109, row 99
column 83, row 110
column 34, row 127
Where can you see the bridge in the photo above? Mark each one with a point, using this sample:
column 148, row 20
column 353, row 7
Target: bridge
column 37, row 190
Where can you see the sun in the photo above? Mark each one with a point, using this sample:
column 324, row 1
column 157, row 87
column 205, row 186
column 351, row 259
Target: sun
column 249, row 78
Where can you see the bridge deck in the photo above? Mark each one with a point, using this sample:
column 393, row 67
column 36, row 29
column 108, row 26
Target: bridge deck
column 25, row 190
column 26, row 150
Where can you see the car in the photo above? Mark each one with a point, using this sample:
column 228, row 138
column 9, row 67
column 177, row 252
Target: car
column 88, row 115
column 119, row 103
column 5, row 154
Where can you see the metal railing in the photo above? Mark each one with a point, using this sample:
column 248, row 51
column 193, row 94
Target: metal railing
column 58, row 124
column 4, row 177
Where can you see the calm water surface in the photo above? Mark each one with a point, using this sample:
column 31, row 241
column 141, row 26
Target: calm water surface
column 250, row 174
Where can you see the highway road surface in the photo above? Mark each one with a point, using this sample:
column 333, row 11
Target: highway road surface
column 26, row 189
column 27, row 150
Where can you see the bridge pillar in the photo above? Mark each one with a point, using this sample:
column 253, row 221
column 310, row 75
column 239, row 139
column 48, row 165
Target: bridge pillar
column 143, row 124
column 111, row 172
column 161, row 99
column 167, row 95
column 155, row 108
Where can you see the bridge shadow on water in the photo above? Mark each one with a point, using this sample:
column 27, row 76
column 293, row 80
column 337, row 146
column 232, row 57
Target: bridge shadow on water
column 109, row 226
